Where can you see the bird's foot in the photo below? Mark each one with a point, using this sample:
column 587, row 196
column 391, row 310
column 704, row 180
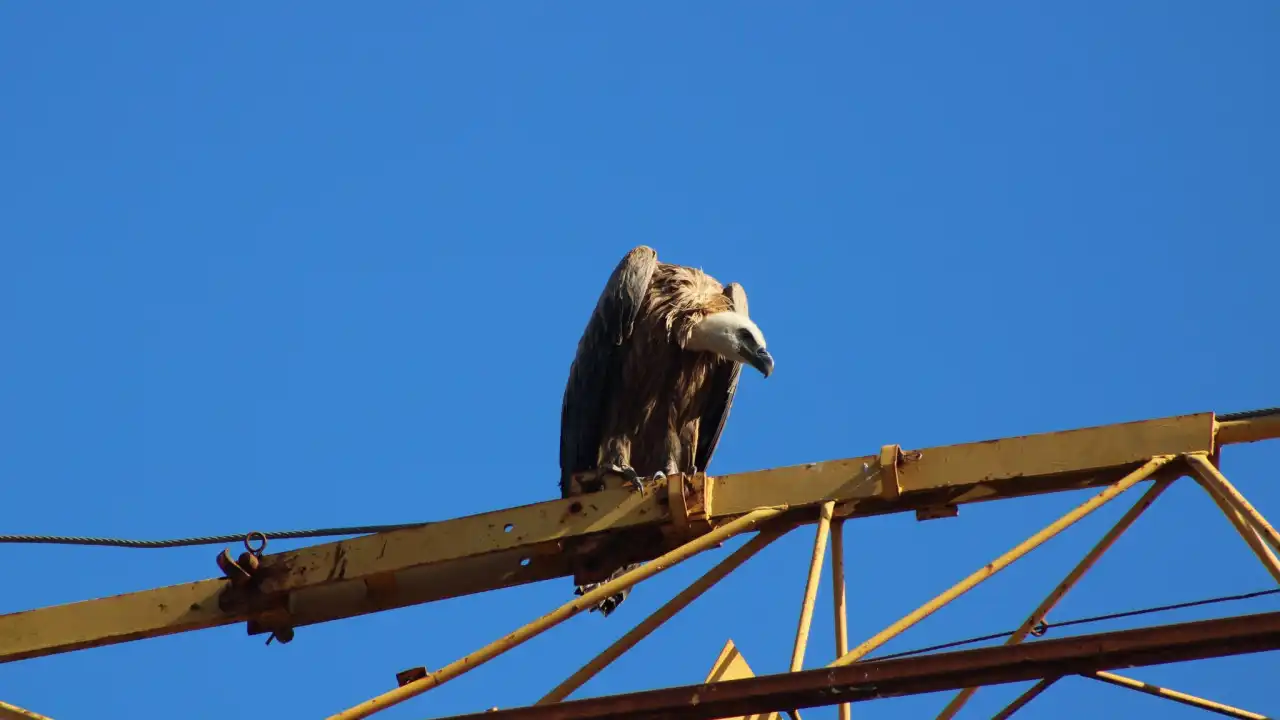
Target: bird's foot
column 629, row 474
column 611, row 603
column 608, row 605
column 642, row 484
column 605, row 606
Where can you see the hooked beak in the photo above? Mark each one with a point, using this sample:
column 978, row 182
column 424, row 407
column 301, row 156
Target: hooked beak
column 761, row 360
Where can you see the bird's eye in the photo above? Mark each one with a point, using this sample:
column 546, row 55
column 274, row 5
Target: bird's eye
column 744, row 336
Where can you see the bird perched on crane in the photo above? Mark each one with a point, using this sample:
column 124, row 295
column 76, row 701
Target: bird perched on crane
column 654, row 376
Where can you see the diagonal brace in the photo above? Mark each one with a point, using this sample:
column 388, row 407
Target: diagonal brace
column 1021, row 701
column 13, row 712
column 1005, row 560
column 1218, row 485
column 1174, row 695
column 811, row 585
column 1245, row 529
column 1053, row 598
column 564, row 612
column 664, row 613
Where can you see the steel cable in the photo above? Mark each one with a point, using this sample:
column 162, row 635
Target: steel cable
column 1044, row 627
column 206, row 540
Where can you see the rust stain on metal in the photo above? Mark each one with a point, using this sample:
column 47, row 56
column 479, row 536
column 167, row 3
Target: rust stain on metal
column 926, row 674
column 338, row 570
column 404, row 677
column 458, row 555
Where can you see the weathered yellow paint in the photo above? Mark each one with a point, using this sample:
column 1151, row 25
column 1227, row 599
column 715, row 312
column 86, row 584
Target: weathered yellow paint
column 730, row 665
column 1266, row 427
column 533, row 528
column 150, row 613
column 811, row 586
column 1012, row 467
column 13, row 712
column 746, row 523
column 478, row 553
column 1174, row 695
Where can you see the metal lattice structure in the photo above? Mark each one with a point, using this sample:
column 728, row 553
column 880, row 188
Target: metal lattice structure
column 275, row 593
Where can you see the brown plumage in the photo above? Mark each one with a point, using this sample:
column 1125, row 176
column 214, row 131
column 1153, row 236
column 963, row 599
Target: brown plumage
column 655, row 374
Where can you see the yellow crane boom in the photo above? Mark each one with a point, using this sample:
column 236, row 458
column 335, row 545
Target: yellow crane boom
column 279, row 592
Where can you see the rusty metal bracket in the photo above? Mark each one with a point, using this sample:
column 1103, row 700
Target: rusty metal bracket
column 892, row 458
column 890, row 485
column 689, row 501
column 936, row 512
column 404, row 677
column 678, row 502
column 242, row 572
column 244, row 576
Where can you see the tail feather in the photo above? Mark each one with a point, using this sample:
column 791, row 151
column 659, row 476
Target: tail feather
column 611, row 603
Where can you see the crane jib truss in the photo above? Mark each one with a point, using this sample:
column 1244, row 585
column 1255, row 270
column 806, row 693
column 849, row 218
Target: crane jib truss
column 578, row 536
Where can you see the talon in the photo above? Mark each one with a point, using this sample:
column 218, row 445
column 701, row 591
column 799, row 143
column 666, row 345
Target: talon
column 607, row 606
column 642, row 484
column 628, row 473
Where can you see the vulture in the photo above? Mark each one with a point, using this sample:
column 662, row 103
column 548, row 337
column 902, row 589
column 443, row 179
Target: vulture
column 654, row 375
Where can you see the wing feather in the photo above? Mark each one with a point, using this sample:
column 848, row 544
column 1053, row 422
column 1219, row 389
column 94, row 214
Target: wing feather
column 720, row 394
column 597, row 365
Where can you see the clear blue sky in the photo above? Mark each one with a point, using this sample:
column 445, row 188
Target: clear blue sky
column 300, row 264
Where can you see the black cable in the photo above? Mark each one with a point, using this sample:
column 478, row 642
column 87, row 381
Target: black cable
column 207, row 540
column 1162, row 608
column 1248, row 414
column 1043, row 626
column 946, row 646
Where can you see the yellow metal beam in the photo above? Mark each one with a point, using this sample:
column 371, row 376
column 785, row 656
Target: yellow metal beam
column 1253, row 427
column 115, row 619
column 1208, row 474
column 811, row 586
column 1021, row 701
column 515, row 546
column 967, row 473
column 1246, row 531
column 13, row 712
column 1175, row 696
column 841, row 624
